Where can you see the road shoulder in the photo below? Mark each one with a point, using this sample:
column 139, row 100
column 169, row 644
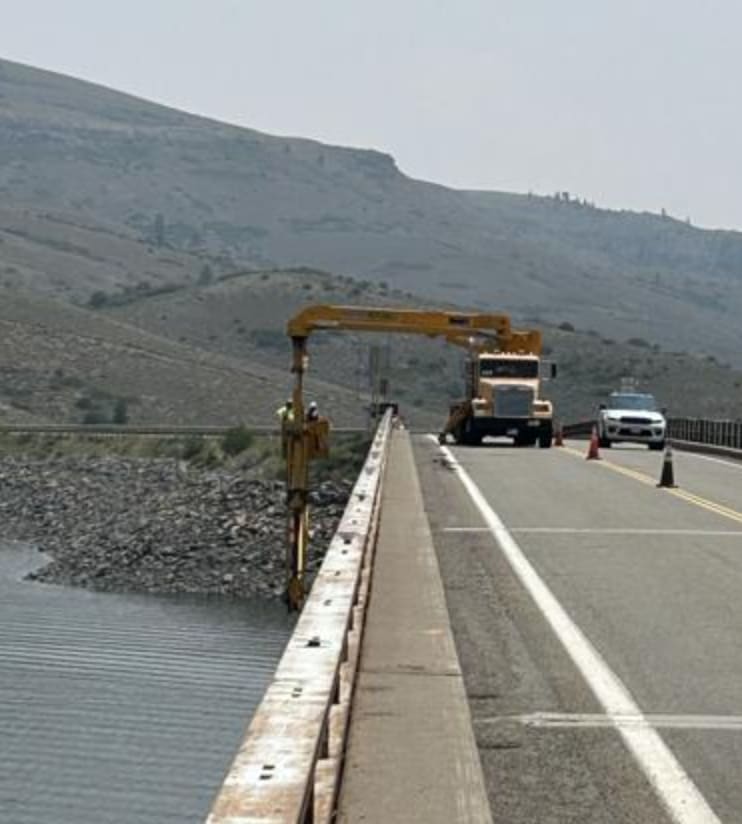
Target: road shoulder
column 411, row 755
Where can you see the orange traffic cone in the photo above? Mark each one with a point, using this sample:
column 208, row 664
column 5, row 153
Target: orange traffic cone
column 558, row 435
column 667, row 479
column 592, row 450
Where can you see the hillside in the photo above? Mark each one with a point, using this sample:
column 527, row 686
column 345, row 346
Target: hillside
column 245, row 316
column 59, row 363
column 105, row 192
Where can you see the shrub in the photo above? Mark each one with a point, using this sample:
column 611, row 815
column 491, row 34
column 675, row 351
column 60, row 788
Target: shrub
column 191, row 448
column 97, row 300
column 120, row 412
column 237, row 440
column 96, row 416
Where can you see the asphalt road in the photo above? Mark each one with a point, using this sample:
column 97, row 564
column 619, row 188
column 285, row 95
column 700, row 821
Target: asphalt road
column 651, row 579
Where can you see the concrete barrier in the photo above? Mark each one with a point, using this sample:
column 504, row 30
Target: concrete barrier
column 288, row 767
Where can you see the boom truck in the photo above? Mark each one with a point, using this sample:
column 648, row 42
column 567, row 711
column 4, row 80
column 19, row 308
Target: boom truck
column 503, row 374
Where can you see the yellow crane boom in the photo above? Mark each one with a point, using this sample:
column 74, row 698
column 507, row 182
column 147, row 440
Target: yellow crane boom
column 453, row 326
column 476, row 331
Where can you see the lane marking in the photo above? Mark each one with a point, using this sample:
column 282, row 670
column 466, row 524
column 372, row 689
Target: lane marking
column 686, row 453
column 559, row 530
column 465, row 529
column 673, row 786
column 689, row 497
column 570, row 530
column 730, row 462
column 725, row 723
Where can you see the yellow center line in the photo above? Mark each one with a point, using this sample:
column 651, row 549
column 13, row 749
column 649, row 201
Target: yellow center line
column 689, row 497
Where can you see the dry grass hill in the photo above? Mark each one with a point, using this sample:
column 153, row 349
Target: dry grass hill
column 102, row 191
column 218, row 353
column 244, row 316
column 149, row 260
column 59, row 363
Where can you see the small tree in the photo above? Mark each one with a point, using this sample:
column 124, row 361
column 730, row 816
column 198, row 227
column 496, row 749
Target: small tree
column 98, row 300
column 95, row 416
column 120, row 412
column 237, row 440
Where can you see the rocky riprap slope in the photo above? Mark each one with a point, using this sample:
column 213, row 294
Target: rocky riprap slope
column 155, row 525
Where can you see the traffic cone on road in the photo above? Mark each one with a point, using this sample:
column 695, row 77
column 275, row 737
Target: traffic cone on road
column 592, row 451
column 667, row 479
column 559, row 435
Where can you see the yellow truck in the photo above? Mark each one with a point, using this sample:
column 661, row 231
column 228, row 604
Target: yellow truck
column 502, row 395
column 503, row 398
column 504, row 367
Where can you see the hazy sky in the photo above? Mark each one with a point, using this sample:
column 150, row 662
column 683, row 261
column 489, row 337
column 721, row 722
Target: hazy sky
column 631, row 103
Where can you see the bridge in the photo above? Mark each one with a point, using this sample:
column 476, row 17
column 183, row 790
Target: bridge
column 514, row 635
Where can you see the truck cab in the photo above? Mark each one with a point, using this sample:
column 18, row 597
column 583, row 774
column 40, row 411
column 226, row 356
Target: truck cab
column 505, row 400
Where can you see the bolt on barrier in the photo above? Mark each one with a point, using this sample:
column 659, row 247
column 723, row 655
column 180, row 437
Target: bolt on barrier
column 288, row 768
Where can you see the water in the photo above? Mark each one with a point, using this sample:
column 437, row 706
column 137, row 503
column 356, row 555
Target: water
column 123, row 709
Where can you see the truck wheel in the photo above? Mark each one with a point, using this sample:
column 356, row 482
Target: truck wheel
column 469, row 435
column 604, row 443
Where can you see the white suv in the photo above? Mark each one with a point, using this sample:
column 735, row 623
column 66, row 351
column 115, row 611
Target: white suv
column 632, row 417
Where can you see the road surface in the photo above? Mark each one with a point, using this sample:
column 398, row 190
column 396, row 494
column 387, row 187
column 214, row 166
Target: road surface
column 598, row 622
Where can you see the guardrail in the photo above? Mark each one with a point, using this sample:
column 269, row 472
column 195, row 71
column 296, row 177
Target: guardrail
column 695, row 434
column 577, row 430
column 704, row 431
column 147, row 429
column 289, row 765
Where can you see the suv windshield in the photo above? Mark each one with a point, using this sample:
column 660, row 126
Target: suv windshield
column 497, row 368
column 644, row 402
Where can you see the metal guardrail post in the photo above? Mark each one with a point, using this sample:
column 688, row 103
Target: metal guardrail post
column 288, row 767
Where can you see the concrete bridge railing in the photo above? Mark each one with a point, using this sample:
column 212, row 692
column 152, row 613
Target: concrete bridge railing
column 288, row 767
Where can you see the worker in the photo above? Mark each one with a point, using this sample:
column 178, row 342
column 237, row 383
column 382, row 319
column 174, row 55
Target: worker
column 312, row 412
column 286, row 412
column 286, row 416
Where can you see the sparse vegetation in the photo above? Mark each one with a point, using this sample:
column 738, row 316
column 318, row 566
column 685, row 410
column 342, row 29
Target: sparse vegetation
column 237, row 440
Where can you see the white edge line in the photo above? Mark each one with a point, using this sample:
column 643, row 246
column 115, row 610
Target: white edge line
column 712, row 458
column 588, row 720
column 674, row 787
column 698, row 533
column 468, row 529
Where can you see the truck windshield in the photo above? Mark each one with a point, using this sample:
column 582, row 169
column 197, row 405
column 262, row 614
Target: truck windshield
column 499, row 368
column 644, row 402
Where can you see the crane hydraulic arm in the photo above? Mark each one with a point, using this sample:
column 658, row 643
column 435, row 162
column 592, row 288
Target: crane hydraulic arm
column 410, row 321
column 475, row 331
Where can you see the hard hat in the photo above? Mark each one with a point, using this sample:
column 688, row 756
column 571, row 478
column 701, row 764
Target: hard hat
column 313, row 405
column 289, row 402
